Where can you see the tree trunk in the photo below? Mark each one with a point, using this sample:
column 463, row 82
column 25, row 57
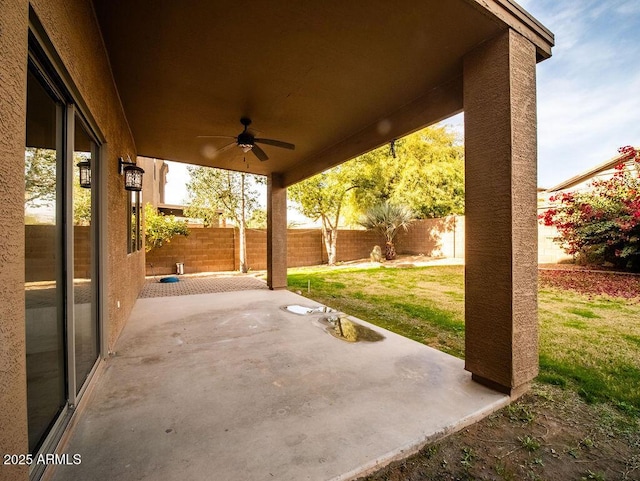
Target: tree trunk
column 243, row 249
column 243, row 233
column 330, row 237
column 389, row 251
column 333, row 255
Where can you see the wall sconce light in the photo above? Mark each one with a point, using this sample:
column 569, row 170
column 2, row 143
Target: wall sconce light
column 85, row 174
column 132, row 174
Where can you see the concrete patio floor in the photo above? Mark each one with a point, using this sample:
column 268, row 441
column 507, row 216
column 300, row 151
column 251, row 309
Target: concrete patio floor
column 230, row 386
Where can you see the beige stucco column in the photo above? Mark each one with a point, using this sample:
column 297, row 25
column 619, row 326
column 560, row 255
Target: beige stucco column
column 501, row 226
column 13, row 382
column 276, row 233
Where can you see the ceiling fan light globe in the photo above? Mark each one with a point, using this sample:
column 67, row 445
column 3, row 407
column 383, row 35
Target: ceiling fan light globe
column 245, row 147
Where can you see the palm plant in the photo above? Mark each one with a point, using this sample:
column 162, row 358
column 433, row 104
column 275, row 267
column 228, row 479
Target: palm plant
column 388, row 219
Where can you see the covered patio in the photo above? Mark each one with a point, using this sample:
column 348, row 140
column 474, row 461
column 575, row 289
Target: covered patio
column 330, row 81
column 232, row 386
column 117, row 79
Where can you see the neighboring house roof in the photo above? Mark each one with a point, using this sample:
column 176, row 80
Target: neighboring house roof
column 178, row 210
column 599, row 170
column 169, row 209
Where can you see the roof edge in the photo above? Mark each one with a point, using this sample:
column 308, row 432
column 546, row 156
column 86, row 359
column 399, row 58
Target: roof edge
column 517, row 18
column 576, row 179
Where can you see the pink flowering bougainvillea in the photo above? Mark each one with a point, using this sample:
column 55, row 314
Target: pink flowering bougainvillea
column 602, row 224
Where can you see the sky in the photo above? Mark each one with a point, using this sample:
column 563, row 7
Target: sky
column 588, row 91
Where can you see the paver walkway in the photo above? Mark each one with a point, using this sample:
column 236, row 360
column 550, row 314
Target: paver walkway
column 188, row 285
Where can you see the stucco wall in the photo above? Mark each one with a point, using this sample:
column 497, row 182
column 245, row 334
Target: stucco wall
column 500, row 190
column 73, row 30
column 13, row 388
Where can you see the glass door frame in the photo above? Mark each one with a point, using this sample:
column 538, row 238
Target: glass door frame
column 73, row 115
column 46, row 66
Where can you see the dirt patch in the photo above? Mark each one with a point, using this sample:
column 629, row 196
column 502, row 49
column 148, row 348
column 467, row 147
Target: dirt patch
column 549, row 434
column 614, row 284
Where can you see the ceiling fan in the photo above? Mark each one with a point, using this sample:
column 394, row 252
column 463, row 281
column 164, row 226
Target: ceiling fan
column 247, row 141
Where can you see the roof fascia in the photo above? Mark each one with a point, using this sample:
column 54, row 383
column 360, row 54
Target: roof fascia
column 577, row 179
column 517, row 18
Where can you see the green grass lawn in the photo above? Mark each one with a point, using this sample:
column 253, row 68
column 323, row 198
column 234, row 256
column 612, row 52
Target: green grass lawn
column 587, row 343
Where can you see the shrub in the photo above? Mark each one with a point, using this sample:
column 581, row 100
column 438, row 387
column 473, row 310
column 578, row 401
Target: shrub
column 603, row 223
column 160, row 228
column 388, row 219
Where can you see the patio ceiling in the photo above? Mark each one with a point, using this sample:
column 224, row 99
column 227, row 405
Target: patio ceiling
column 336, row 78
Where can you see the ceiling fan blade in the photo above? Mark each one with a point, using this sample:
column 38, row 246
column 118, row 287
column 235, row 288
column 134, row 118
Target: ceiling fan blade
column 262, row 156
column 209, row 151
column 215, row 137
column 276, row 143
column 226, row 147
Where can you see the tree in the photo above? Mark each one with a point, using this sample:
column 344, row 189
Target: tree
column 41, row 183
column 322, row 197
column 81, row 205
column 427, row 175
column 388, row 219
column 603, row 223
column 212, row 189
column 40, row 176
column 257, row 219
column 160, row 229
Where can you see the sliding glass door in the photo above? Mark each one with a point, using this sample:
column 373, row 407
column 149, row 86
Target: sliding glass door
column 61, row 283
column 84, row 287
column 44, row 256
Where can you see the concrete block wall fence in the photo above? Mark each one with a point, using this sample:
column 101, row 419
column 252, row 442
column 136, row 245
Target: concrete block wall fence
column 204, row 250
column 549, row 252
column 216, row 249
column 434, row 237
column 354, row 244
column 40, row 258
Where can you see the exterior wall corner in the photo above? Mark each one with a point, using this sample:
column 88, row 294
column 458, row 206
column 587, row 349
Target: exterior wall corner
column 13, row 385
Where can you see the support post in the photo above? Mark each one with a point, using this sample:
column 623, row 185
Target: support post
column 14, row 438
column 501, row 343
column 276, row 232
